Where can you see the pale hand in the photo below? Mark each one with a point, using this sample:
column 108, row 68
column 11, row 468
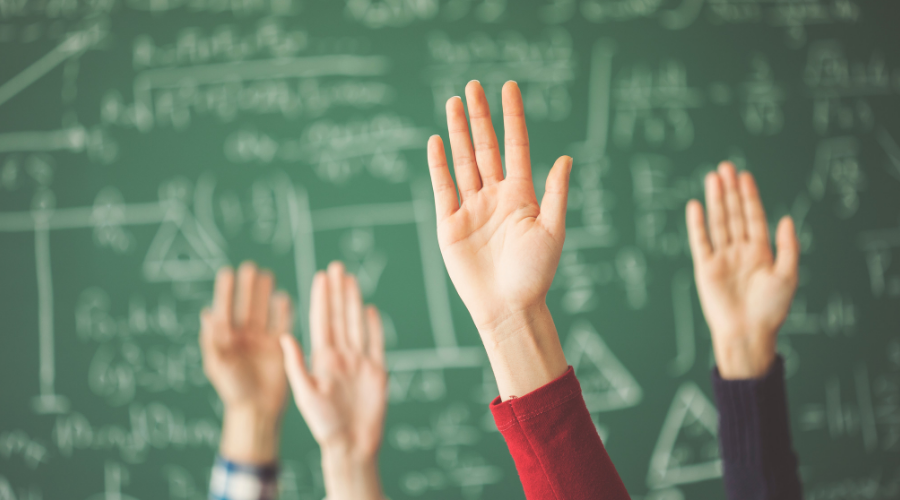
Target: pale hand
column 501, row 248
column 745, row 291
column 343, row 398
column 242, row 359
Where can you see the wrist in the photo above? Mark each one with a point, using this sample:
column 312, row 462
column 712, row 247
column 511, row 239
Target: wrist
column 349, row 475
column 524, row 351
column 250, row 435
column 343, row 459
column 744, row 357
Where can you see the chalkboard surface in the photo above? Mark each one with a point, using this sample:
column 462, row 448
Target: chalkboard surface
column 144, row 143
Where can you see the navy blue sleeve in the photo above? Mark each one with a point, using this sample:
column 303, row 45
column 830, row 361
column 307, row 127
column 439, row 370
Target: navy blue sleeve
column 755, row 437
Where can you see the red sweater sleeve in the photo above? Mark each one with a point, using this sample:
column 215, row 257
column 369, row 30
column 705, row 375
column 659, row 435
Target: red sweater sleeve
column 556, row 448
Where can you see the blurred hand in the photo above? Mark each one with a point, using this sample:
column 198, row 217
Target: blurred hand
column 745, row 292
column 242, row 359
column 501, row 247
column 344, row 397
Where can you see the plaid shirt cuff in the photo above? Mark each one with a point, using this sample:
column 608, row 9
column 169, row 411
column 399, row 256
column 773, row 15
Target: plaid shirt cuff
column 235, row 481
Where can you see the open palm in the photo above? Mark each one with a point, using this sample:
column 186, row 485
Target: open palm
column 344, row 398
column 239, row 340
column 744, row 290
column 500, row 247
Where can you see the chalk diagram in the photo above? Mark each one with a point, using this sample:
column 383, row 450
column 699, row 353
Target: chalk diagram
column 605, row 383
column 687, row 449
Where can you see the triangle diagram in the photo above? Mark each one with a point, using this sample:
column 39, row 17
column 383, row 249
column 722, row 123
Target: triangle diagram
column 605, row 383
column 181, row 252
column 687, row 450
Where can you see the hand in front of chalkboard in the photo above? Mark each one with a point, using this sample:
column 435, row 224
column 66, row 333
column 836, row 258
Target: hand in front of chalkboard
column 501, row 247
column 745, row 292
column 242, row 358
column 344, row 397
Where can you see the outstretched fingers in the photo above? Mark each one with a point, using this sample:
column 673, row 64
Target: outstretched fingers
column 787, row 249
column 445, row 197
column 467, row 177
column 518, row 159
column 698, row 238
column 556, row 195
column 487, row 152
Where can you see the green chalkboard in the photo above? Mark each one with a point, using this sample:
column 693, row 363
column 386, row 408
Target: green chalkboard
column 144, row 143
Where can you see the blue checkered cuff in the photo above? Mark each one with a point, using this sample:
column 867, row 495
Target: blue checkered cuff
column 235, row 481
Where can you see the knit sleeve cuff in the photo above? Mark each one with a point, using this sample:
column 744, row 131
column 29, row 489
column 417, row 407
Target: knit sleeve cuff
column 543, row 399
column 753, row 417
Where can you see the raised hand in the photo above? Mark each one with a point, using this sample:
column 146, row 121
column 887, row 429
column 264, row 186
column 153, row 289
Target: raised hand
column 242, row 358
column 344, row 397
column 500, row 247
column 745, row 292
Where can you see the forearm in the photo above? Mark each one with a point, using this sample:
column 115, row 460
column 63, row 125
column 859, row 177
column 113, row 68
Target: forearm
column 350, row 478
column 249, row 436
column 524, row 351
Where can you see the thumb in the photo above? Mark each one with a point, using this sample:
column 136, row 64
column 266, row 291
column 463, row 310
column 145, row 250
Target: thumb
column 787, row 248
column 556, row 195
column 295, row 366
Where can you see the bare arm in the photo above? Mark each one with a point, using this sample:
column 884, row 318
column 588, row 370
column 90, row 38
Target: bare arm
column 343, row 398
column 242, row 359
column 501, row 249
column 500, row 246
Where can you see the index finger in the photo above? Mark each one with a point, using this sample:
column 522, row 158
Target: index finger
column 445, row 198
column 518, row 159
